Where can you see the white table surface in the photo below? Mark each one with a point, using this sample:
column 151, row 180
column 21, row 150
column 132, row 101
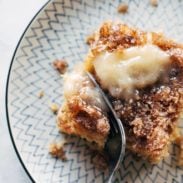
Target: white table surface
column 14, row 18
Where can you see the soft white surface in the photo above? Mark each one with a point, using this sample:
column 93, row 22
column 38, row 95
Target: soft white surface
column 14, row 17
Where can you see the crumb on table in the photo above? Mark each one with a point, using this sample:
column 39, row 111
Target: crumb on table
column 100, row 161
column 179, row 142
column 122, row 8
column 154, row 2
column 54, row 108
column 57, row 151
column 41, row 94
column 60, row 65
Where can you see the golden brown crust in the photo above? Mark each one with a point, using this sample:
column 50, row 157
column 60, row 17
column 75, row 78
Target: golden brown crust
column 150, row 118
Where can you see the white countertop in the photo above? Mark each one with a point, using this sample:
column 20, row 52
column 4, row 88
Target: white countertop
column 14, row 18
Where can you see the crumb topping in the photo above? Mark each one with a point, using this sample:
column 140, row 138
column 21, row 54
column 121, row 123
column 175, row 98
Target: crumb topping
column 117, row 36
column 150, row 119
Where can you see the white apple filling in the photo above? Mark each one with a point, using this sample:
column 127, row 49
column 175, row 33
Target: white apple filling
column 121, row 73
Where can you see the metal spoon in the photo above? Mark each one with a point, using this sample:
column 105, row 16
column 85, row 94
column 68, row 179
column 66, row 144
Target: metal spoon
column 116, row 142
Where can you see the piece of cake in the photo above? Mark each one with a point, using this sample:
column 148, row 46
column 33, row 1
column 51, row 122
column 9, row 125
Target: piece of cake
column 142, row 74
column 84, row 112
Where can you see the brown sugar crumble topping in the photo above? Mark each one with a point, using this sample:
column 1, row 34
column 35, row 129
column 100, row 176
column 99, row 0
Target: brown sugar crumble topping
column 60, row 66
column 122, row 8
column 57, row 151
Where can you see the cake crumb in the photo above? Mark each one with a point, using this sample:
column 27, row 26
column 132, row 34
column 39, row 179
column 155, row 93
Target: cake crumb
column 60, row 65
column 179, row 142
column 41, row 94
column 100, row 161
column 57, row 150
column 154, row 2
column 122, row 8
column 90, row 39
column 54, row 108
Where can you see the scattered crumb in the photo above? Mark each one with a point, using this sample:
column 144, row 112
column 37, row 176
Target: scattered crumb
column 41, row 94
column 179, row 142
column 57, row 150
column 54, row 108
column 154, row 2
column 122, row 8
column 60, row 66
column 90, row 39
column 100, row 161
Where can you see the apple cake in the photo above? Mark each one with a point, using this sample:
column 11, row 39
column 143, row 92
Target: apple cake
column 142, row 74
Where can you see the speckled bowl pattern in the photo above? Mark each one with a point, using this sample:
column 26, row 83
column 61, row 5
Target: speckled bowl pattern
column 59, row 31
